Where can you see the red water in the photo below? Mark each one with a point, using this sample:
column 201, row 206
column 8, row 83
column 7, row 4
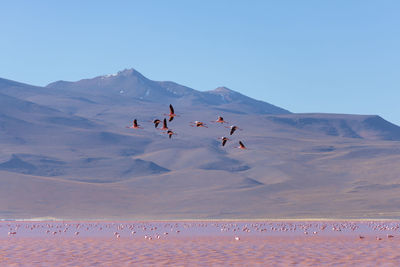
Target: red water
column 199, row 243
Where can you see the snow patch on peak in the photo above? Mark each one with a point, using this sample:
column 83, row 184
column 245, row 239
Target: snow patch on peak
column 222, row 91
column 125, row 72
column 108, row 76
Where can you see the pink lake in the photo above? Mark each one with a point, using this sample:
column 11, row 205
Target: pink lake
column 314, row 243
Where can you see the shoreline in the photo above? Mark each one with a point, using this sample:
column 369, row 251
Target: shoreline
column 47, row 219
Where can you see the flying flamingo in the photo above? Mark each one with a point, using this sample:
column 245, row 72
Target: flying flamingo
column 171, row 113
column 233, row 129
column 170, row 133
column 165, row 127
column 198, row 124
column 220, row 120
column 241, row 146
column 156, row 123
column 135, row 125
column 224, row 139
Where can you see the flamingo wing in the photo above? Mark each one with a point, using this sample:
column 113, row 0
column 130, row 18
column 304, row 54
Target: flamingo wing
column 171, row 109
column 169, row 132
column 241, row 144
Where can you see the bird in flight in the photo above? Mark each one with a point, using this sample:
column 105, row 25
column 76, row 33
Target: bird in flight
column 220, row 120
column 224, row 139
column 241, row 145
column 156, row 123
column 134, row 125
column 233, row 129
column 198, row 124
column 165, row 127
column 170, row 133
column 171, row 113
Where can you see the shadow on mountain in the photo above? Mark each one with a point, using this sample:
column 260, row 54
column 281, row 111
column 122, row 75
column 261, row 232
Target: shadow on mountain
column 34, row 165
column 369, row 153
column 248, row 183
column 374, row 188
column 103, row 138
column 226, row 164
column 142, row 167
column 75, row 121
column 111, row 170
column 319, row 149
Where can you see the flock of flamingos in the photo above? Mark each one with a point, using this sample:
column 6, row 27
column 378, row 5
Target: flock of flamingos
column 161, row 230
column 172, row 115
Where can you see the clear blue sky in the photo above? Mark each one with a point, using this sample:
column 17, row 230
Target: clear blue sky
column 306, row 56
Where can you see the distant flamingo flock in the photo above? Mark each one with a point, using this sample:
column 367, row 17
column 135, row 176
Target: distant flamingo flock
column 237, row 230
column 196, row 124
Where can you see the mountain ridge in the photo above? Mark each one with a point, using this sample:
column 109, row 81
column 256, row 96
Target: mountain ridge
column 131, row 83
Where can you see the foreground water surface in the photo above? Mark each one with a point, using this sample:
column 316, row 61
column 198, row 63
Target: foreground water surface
column 314, row 243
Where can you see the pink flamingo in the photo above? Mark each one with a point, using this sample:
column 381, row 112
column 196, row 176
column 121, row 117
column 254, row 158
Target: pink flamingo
column 171, row 113
column 224, row 139
column 135, row 125
column 170, row 133
column 241, row 145
column 220, row 120
column 233, row 129
column 198, row 124
column 156, row 123
column 165, row 127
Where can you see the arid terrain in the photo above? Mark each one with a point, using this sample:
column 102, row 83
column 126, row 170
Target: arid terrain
column 65, row 153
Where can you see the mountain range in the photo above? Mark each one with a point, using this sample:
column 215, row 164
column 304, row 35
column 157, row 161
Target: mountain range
column 65, row 152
